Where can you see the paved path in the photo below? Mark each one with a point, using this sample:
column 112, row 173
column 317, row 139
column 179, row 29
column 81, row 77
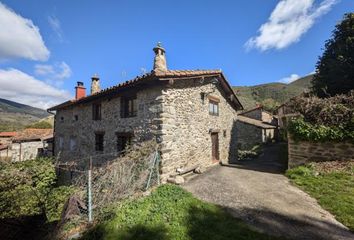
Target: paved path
column 261, row 195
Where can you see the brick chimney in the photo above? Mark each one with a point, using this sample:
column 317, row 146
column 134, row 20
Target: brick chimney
column 95, row 84
column 80, row 91
column 160, row 64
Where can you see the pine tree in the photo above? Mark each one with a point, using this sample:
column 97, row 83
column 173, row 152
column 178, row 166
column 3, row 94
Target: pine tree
column 335, row 68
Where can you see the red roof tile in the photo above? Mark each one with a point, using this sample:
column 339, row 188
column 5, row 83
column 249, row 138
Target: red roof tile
column 34, row 134
column 8, row 134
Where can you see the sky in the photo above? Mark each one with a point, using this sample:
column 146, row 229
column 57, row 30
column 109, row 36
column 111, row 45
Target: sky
column 46, row 46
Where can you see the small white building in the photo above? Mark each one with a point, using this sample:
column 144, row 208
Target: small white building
column 31, row 143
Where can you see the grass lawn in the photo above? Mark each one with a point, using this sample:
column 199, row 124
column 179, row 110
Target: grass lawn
column 334, row 190
column 171, row 213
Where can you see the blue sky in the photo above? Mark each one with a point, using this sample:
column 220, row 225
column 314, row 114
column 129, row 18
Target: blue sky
column 46, row 46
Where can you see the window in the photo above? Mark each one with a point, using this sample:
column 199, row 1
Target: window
column 123, row 140
column 96, row 111
column 72, row 143
column 213, row 108
column 99, row 142
column 61, row 119
column 128, row 106
column 76, row 117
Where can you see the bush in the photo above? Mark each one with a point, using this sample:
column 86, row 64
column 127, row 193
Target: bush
column 329, row 111
column 29, row 188
column 249, row 153
column 302, row 130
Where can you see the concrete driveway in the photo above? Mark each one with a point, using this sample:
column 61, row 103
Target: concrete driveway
column 258, row 193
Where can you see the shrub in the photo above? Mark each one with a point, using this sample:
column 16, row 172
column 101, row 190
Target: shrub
column 302, row 130
column 329, row 111
column 29, row 188
column 40, row 125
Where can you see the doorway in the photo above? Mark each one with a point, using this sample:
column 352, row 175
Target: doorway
column 215, row 146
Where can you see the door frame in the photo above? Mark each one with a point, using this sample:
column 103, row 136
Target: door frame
column 215, row 151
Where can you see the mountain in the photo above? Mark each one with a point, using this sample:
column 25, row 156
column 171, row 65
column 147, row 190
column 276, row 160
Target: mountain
column 271, row 94
column 14, row 116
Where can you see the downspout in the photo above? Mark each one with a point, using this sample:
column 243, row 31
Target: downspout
column 20, row 152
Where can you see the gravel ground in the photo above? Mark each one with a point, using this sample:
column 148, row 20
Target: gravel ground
column 258, row 193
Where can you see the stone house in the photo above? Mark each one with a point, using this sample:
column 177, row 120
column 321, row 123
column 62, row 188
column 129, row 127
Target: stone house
column 255, row 126
column 190, row 113
column 6, row 137
column 31, row 143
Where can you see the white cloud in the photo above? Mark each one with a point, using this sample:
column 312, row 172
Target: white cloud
column 19, row 37
column 56, row 27
column 289, row 21
column 57, row 71
column 293, row 77
column 20, row 87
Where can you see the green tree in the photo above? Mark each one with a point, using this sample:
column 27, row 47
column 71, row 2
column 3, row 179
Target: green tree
column 335, row 68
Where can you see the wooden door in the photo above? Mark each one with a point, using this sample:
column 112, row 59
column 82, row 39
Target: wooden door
column 215, row 146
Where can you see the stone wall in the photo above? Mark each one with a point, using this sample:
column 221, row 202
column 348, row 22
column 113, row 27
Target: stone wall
column 255, row 114
column 186, row 126
column 84, row 128
column 301, row 152
column 248, row 135
column 22, row 151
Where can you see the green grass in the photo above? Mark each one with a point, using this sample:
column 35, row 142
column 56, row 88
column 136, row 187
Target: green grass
column 334, row 191
column 171, row 213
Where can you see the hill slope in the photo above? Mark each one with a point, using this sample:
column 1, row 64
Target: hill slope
column 278, row 92
column 15, row 115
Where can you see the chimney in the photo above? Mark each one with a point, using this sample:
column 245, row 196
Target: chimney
column 160, row 59
column 80, row 91
column 95, row 84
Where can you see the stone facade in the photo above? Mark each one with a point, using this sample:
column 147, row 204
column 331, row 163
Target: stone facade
column 174, row 114
column 186, row 126
column 248, row 135
column 76, row 124
column 302, row 152
column 22, row 151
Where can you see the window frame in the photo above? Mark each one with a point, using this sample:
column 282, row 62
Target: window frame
column 214, row 111
column 128, row 139
column 129, row 106
column 96, row 111
column 99, row 143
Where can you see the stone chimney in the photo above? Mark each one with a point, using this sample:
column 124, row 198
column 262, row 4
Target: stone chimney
column 95, row 84
column 80, row 91
column 160, row 59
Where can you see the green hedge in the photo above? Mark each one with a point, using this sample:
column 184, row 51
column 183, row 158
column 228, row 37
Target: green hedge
column 301, row 130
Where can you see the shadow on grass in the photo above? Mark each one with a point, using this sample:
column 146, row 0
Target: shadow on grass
column 137, row 232
column 302, row 226
column 206, row 224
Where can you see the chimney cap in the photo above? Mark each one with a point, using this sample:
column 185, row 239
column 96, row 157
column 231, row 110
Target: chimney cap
column 80, row 84
column 95, row 76
column 158, row 46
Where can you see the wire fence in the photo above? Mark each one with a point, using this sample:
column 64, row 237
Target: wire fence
column 99, row 182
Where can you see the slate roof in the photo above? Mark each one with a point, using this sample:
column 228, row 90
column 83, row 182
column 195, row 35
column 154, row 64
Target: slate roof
column 153, row 75
column 34, row 134
column 254, row 122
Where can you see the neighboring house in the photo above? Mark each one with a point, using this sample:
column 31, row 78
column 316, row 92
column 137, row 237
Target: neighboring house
column 5, row 152
column 6, row 137
column 255, row 126
column 260, row 114
column 251, row 132
column 31, row 143
column 191, row 114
